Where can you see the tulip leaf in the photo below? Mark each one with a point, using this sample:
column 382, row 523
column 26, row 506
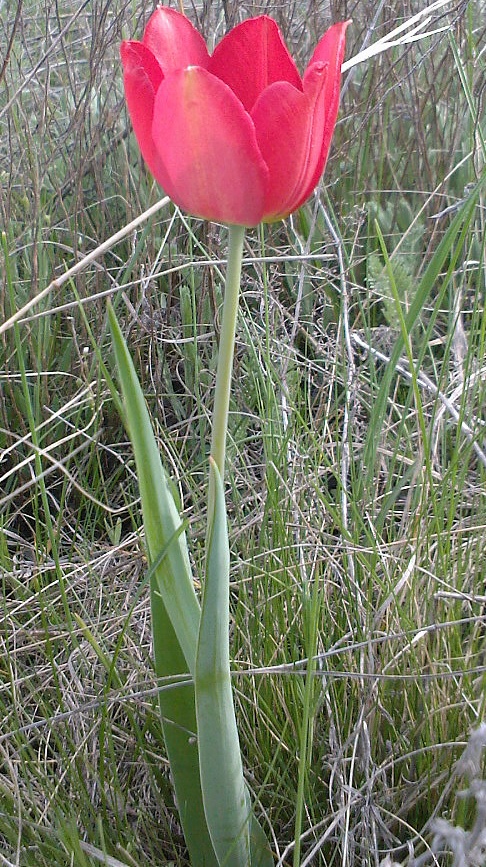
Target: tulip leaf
column 160, row 516
column 260, row 852
column 233, row 829
column 175, row 610
column 176, row 703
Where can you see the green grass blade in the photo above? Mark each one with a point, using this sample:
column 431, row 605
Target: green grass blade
column 448, row 249
column 161, row 519
column 225, row 796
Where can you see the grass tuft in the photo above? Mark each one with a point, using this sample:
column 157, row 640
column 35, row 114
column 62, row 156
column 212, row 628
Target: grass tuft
column 357, row 451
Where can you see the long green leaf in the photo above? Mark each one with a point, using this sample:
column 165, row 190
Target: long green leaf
column 175, row 610
column 233, row 829
column 178, row 714
column 160, row 516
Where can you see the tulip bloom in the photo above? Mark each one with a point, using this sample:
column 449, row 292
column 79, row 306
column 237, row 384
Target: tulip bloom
column 237, row 136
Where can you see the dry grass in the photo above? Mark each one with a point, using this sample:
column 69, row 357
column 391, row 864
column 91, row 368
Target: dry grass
column 386, row 509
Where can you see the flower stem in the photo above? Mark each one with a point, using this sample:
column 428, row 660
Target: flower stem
column 226, row 349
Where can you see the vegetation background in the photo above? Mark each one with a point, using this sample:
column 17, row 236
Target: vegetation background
column 357, row 458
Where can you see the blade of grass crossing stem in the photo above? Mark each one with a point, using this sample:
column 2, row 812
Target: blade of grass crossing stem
column 175, row 610
column 225, row 796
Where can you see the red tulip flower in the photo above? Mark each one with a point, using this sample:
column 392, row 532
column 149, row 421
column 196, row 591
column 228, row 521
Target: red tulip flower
column 237, row 136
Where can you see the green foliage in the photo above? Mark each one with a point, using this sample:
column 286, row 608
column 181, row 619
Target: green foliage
column 175, row 610
column 349, row 473
column 237, row 837
column 404, row 263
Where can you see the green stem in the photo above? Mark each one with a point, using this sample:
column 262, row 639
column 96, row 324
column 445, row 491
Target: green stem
column 226, row 349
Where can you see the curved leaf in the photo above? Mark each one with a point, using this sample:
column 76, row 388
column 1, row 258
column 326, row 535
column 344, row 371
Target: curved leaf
column 175, row 610
column 237, row 837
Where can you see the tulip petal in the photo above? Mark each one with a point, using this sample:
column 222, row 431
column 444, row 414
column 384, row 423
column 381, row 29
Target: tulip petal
column 142, row 76
column 174, row 41
column 330, row 50
column 289, row 127
column 207, row 144
column 251, row 57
